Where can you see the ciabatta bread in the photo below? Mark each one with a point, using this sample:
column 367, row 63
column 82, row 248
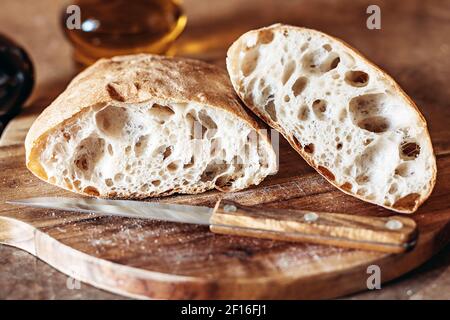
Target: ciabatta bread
column 346, row 117
column 143, row 125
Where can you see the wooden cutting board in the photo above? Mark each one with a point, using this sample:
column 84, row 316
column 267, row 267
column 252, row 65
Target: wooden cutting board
column 166, row 260
column 149, row 259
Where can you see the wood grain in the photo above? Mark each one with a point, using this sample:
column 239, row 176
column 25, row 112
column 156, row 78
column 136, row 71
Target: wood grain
column 335, row 229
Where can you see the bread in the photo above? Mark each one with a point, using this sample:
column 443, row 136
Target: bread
column 143, row 125
column 346, row 117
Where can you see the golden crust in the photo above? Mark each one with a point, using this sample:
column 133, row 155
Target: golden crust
column 234, row 50
column 135, row 79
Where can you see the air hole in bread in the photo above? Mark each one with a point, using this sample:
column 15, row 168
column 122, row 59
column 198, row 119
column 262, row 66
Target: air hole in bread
column 109, row 182
column 357, row 78
column 409, row 150
column 114, row 91
column 262, row 85
column 367, row 104
column 92, row 191
column 299, row 85
column 326, row 173
column 408, row 202
column 319, row 108
column 309, row 148
column 304, row 46
column 265, row 36
column 368, row 112
column 89, row 151
column 347, row 186
column 206, row 120
column 76, row 184
column 303, row 113
column 361, row 192
column 173, row 166
column 393, row 188
column 327, row 47
column 141, row 145
column 288, row 71
column 312, row 60
column 209, row 127
column 362, row 179
column 82, row 163
column 111, row 121
column 118, row 177
column 320, row 61
column 249, row 62
column 343, row 115
column 68, row 183
column 215, row 147
column 212, row 170
column 191, row 120
column 161, row 113
column 270, row 109
column 189, row 164
column 167, row 152
column 404, row 170
column 333, row 64
column 66, row 136
column 156, row 183
column 376, row 124
column 223, row 181
column 110, row 150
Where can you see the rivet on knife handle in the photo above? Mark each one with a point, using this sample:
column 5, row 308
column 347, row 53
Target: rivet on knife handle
column 393, row 234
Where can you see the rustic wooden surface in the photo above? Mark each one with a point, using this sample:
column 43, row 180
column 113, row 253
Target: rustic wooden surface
column 412, row 46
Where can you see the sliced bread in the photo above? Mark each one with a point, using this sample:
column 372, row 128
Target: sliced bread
column 142, row 125
column 346, row 117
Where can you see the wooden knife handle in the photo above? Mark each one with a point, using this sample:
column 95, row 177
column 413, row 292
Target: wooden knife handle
column 393, row 234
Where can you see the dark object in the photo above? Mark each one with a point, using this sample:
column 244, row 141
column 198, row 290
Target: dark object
column 16, row 79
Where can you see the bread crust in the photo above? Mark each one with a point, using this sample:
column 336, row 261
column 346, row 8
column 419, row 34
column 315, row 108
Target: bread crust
column 233, row 53
column 135, row 79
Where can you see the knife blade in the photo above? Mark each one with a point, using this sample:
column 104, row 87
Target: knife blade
column 123, row 208
column 387, row 234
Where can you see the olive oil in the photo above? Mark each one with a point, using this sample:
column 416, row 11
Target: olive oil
column 118, row 27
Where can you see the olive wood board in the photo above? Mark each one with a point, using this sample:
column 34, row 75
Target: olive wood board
column 162, row 260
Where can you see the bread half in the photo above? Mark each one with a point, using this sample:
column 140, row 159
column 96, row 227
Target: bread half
column 346, row 117
column 143, row 125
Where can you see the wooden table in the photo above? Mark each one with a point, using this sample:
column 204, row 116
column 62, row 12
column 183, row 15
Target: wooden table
column 413, row 45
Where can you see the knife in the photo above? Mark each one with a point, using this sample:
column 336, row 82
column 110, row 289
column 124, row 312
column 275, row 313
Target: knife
column 393, row 234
